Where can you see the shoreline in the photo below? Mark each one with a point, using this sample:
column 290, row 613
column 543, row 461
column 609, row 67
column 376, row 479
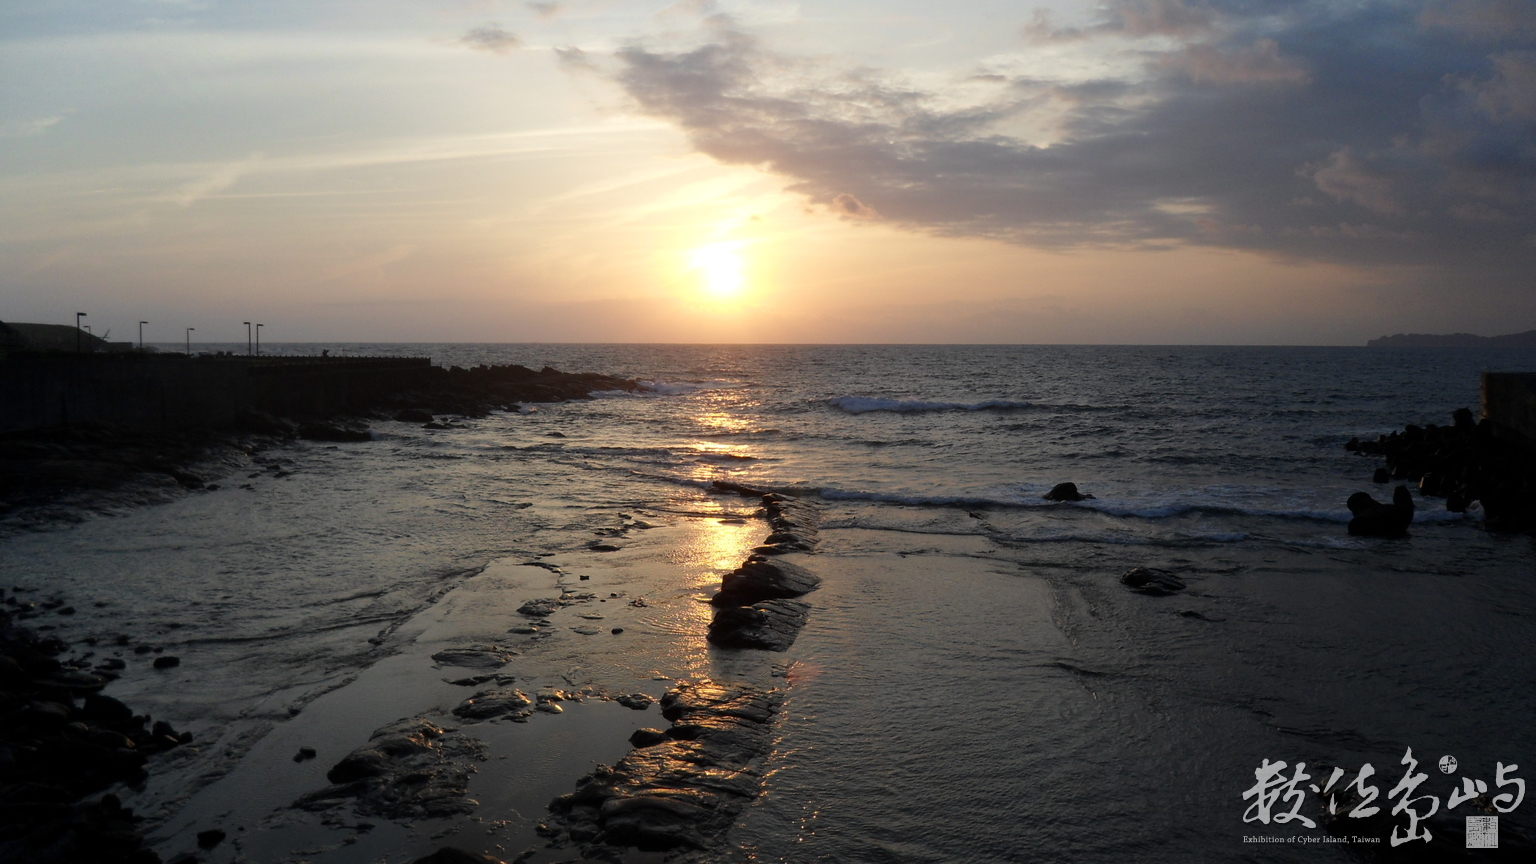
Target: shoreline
column 1233, row 588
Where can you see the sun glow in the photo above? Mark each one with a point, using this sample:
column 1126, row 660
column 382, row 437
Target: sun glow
column 721, row 268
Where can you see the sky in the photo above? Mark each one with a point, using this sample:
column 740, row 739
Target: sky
column 1131, row 171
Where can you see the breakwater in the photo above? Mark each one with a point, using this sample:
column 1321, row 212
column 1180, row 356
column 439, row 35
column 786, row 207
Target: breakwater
column 1509, row 403
column 160, row 392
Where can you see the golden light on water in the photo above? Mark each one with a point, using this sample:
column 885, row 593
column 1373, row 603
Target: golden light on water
column 721, row 269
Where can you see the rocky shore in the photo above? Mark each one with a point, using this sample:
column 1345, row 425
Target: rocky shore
column 1463, row 463
column 62, row 745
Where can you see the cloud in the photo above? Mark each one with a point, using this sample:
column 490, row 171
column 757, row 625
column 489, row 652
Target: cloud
column 1510, row 94
column 28, row 128
column 1346, row 133
column 490, row 37
column 1259, row 63
column 1129, row 18
column 847, row 205
column 1343, row 177
column 1484, row 20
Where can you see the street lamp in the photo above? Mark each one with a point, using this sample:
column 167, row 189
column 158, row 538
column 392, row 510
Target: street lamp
column 258, row 339
column 141, row 334
column 189, row 341
column 78, row 316
column 247, row 337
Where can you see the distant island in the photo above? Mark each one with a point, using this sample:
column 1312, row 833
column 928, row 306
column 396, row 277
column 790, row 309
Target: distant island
column 1455, row 340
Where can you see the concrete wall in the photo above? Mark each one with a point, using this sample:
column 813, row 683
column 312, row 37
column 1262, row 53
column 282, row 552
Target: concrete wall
column 165, row 392
column 1509, row 402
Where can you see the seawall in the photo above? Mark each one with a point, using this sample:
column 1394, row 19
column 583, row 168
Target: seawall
column 156, row 392
column 1509, row 403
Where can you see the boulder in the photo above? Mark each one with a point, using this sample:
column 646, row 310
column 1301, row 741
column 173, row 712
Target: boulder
column 1065, row 492
column 761, row 579
column 488, row 657
column 488, row 704
column 407, row 770
column 1152, row 581
column 681, row 789
column 771, row 625
column 1374, row 519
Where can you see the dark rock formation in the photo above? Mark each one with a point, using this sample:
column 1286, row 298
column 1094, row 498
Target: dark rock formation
column 501, row 702
column 410, row 769
column 1151, row 581
column 480, row 657
column 1463, row 462
column 635, row 701
column 761, row 579
column 62, row 742
column 1065, row 492
column 450, row 855
column 771, row 625
column 681, row 793
column 756, row 613
column 1375, row 519
column 540, row 608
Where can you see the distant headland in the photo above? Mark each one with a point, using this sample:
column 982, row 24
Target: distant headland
column 1455, row 340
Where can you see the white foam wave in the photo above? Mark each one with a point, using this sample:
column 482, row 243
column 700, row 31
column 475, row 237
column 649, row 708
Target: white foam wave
column 680, row 388
column 866, row 404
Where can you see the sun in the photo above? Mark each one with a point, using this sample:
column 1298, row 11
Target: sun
column 721, row 268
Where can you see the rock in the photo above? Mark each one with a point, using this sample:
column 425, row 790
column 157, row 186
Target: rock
column 637, row 701
column 538, row 608
column 410, row 769
column 352, row 431
column 501, row 702
column 450, row 855
column 104, row 709
column 770, row 625
column 648, row 737
column 487, row 657
column 1374, row 519
column 414, row 415
column 166, row 661
column 304, row 754
column 1382, row 475
column 210, row 838
column 617, row 630
column 1151, row 581
column 681, row 789
column 1065, row 492
column 761, row 579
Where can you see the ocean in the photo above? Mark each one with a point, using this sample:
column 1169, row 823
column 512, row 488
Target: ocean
column 974, row 683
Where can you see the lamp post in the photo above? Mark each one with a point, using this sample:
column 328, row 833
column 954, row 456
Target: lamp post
column 78, row 316
column 258, row 339
column 189, row 342
column 141, row 334
column 247, row 337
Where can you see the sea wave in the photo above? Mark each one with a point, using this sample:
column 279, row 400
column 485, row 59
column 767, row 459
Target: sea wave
column 681, row 388
column 866, row 404
column 1163, row 509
